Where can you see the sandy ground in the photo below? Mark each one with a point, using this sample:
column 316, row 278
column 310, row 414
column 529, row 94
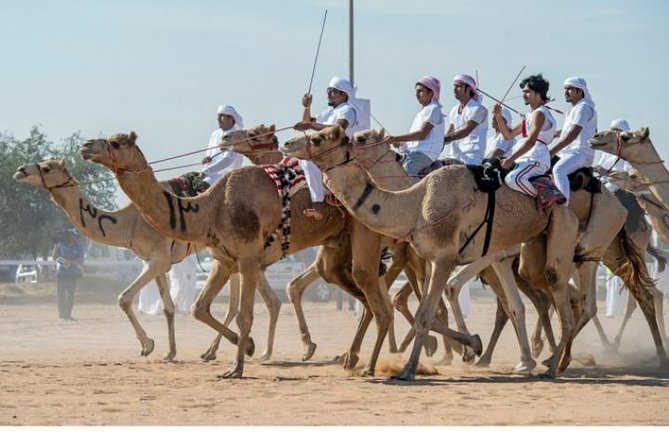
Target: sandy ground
column 89, row 372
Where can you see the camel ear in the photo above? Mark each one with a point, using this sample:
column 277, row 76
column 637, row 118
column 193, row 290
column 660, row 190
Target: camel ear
column 382, row 133
column 334, row 133
column 61, row 162
column 272, row 128
column 645, row 131
column 132, row 137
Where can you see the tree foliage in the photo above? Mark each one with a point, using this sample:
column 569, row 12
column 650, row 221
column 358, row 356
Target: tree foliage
column 29, row 220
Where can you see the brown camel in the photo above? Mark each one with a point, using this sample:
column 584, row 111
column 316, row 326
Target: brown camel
column 234, row 218
column 601, row 218
column 126, row 228
column 240, row 142
column 437, row 222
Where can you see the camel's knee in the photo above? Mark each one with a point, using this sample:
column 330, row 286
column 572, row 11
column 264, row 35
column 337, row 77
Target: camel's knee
column 199, row 311
column 124, row 301
column 293, row 293
column 362, row 278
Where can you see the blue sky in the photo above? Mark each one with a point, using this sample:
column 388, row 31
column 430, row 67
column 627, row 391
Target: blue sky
column 162, row 67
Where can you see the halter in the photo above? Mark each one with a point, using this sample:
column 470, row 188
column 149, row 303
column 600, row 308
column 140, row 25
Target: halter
column 117, row 170
column 64, row 184
column 310, row 156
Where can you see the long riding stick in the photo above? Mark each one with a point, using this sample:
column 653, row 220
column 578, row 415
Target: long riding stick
column 499, row 102
column 318, row 49
column 512, row 84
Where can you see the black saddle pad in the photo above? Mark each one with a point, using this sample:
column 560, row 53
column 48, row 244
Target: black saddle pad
column 584, row 179
column 635, row 213
column 489, row 175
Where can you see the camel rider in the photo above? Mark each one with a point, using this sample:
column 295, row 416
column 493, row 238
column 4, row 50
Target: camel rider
column 579, row 126
column 216, row 162
column 529, row 156
column 608, row 162
column 341, row 112
column 498, row 146
column 424, row 140
column 468, row 122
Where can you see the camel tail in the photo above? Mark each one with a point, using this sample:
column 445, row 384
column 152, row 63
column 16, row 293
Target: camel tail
column 633, row 271
column 657, row 255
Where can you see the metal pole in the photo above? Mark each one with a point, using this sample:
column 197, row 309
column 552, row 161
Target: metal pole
column 350, row 41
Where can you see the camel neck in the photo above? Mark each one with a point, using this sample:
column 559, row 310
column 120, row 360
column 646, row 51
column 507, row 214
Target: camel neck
column 650, row 165
column 174, row 217
column 108, row 227
column 387, row 173
column 389, row 213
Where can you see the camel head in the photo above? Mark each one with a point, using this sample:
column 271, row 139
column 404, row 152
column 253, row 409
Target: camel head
column 630, row 181
column 629, row 144
column 118, row 152
column 371, row 145
column 250, row 140
column 328, row 147
column 47, row 174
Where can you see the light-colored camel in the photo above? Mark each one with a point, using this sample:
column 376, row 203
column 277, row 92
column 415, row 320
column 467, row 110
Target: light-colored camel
column 240, row 142
column 126, row 228
column 436, row 215
column 601, row 217
column 638, row 149
column 234, row 219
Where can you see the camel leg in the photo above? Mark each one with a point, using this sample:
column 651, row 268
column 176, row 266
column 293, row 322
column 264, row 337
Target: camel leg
column 452, row 292
column 366, row 249
column 249, row 270
column 150, row 271
column 629, row 310
column 168, row 309
column 440, row 271
column 294, row 290
column 400, row 302
column 201, row 308
column 560, row 246
column 501, row 319
column 627, row 252
column 587, row 278
column 230, row 314
column 273, row 304
column 602, row 334
column 516, row 313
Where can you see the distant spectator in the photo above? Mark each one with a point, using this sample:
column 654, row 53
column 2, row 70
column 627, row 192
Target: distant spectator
column 69, row 256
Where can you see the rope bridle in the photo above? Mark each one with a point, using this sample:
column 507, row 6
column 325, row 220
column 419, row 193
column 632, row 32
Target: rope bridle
column 70, row 182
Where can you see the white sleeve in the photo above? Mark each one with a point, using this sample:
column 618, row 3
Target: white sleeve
column 223, row 162
column 479, row 115
column 582, row 115
column 346, row 114
column 434, row 116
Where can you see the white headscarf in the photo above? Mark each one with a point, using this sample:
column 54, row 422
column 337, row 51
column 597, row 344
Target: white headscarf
column 229, row 110
column 341, row 84
column 620, row 124
column 579, row 82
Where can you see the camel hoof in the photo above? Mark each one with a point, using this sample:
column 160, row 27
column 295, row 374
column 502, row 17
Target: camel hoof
column 430, row 345
column 266, row 355
column 368, row 373
column 468, row 355
column 547, row 375
column 483, row 363
column 404, row 376
column 564, row 363
column 169, row 356
column 147, row 347
column 309, row 350
column 250, row 347
column 477, row 345
column 235, row 371
column 524, row 367
column 350, row 361
column 208, row 356
column 537, row 348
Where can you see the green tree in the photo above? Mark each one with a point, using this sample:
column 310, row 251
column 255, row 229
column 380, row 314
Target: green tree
column 29, row 220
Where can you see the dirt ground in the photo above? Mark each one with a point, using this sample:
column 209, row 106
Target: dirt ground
column 89, row 373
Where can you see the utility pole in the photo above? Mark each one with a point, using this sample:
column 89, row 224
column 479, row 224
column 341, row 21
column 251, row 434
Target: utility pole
column 350, row 41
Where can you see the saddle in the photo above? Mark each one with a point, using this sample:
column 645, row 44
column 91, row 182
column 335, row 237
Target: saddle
column 189, row 184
